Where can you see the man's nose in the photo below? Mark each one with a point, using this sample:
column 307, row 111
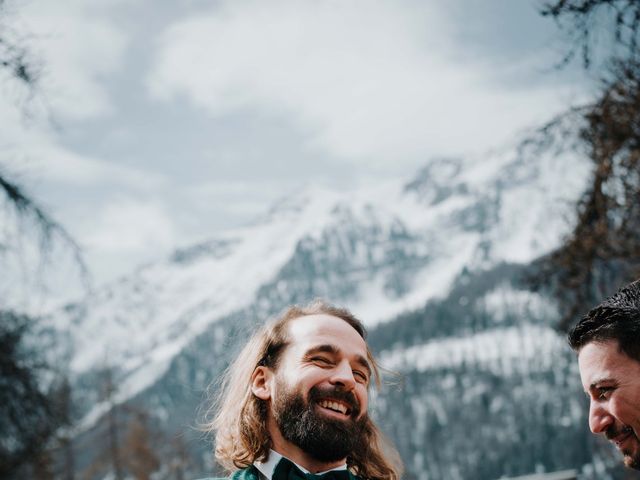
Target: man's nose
column 599, row 418
column 343, row 375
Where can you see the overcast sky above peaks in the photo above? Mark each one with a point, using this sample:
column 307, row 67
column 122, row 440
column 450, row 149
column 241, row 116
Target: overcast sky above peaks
column 168, row 121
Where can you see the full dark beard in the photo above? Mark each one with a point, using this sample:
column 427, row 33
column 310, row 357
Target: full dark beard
column 325, row 439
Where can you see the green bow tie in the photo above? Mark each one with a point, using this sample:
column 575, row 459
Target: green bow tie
column 287, row 470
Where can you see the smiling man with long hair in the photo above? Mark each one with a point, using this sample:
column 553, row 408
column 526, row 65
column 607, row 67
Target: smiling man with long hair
column 294, row 402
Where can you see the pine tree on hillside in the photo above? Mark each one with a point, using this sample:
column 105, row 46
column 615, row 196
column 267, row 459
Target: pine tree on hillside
column 140, row 459
column 28, row 417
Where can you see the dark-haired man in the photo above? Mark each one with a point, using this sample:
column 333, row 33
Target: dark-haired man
column 294, row 402
column 607, row 340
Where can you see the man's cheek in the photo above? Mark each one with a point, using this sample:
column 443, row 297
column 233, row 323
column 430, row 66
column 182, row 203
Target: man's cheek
column 631, row 412
column 636, row 426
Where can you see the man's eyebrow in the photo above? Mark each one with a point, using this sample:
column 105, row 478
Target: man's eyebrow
column 595, row 384
column 332, row 349
column 327, row 348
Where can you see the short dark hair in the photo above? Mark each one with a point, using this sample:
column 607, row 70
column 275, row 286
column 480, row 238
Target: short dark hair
column 616, row 318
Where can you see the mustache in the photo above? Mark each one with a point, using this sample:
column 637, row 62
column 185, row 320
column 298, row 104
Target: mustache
column 612, row 432
column 318, row 393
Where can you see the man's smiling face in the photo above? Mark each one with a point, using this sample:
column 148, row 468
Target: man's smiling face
column 319, row 395
column 327, row 353
column 611, row 379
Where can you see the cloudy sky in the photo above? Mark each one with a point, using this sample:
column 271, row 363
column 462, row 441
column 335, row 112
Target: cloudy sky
column 158, row 123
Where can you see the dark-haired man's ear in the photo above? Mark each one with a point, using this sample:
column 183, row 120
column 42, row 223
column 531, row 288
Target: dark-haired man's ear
column 261, row 382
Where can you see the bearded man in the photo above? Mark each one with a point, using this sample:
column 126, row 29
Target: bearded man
column 294, row 403
column 607, row 340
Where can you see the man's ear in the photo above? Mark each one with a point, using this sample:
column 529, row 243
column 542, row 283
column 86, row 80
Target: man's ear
column 261, row 381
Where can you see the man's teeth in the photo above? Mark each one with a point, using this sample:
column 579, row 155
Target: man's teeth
column 338, row 407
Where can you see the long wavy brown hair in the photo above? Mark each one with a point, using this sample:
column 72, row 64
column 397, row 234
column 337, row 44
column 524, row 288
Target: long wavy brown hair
column 239, row 419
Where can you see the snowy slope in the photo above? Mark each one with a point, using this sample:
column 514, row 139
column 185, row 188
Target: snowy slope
column 399, row 244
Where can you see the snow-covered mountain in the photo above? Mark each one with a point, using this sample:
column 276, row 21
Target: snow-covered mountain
column 431, row 265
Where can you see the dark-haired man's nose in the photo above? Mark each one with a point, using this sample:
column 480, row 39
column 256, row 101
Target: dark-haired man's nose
column 599, row 418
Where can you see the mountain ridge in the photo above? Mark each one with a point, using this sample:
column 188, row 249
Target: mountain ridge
column 433, row 265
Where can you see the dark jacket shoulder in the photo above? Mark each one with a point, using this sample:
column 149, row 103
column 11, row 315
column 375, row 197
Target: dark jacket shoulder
column 250, row 473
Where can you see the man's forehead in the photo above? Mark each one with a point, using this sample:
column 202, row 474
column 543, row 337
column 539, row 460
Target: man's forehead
column 325, row 329
column 594, row 355
column 603, row 360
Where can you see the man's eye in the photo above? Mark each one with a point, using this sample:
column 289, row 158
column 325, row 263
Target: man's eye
column 603, row 392
column 360, row 376
column 321, row 360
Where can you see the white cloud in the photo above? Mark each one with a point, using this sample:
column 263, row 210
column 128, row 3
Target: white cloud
column 235, row 197
column 77, row 45
column 126, row 233
column 55, row 163
column 371, row 81
column 36, row 153
column 33, row 150
column 127, row 225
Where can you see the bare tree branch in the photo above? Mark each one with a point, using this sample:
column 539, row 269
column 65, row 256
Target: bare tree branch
column 585, row 20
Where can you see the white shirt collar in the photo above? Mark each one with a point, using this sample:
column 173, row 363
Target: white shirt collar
column 267, row 468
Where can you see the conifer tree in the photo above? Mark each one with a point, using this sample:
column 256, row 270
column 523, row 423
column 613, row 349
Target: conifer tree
column 140, row 458
column 28, row 416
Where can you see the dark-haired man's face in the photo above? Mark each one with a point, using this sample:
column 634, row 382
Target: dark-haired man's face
column 611, row 379
column 319, row 392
